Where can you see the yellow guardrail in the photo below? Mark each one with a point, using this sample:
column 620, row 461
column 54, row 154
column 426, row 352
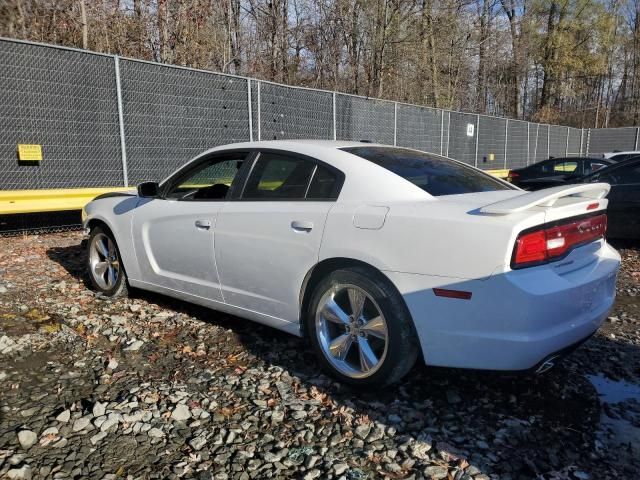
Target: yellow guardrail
column 53, row 200
column 499, row 173
column 58, row 200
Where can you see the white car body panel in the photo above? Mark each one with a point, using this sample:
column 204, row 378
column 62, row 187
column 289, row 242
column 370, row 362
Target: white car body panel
column 172, row 251
column 252, row 263
column 253, row 239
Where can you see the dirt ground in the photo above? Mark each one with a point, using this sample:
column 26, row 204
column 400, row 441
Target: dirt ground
column 150, row 387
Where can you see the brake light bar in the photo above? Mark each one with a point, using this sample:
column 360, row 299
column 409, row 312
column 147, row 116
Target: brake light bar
column 546, row 244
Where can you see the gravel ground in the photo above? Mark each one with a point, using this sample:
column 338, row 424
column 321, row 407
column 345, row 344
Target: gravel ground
column 149, row 387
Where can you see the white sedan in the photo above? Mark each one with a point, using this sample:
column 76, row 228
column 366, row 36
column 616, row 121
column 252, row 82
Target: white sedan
column 376, row 254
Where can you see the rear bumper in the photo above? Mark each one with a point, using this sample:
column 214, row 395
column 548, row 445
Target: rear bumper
column 514, row 319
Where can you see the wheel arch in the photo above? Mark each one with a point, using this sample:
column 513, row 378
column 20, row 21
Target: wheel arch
column 125, row 257
column 323, row 268
column 98, row 222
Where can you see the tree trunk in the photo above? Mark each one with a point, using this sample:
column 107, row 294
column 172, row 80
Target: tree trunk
column 509, row 8
column 482, row 56
column 83, row 21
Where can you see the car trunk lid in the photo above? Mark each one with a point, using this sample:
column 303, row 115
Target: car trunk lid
column 548, row 210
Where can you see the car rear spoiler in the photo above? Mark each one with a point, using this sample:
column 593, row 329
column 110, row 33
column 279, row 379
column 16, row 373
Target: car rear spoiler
column 547, row 198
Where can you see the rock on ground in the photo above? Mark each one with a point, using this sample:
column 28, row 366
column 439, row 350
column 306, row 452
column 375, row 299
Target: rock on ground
column 154, row 388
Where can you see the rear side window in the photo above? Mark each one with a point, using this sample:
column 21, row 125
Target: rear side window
column 323, row 184
column 277, row 176
column 594, row 166
column 433, row 174
column 283, row 177
column 565, row 166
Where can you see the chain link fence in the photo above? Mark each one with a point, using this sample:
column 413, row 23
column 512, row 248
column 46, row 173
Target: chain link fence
column 105, row 121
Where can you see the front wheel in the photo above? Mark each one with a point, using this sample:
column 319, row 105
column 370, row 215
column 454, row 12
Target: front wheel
column 361, row 329
column 105, row 264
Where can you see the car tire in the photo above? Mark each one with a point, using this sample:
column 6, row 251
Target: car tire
column 104, row 264
column 382, row 344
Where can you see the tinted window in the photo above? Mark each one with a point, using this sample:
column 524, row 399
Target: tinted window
column 323, row 184
column 547, row 167
column 435, row 175
column 594, row 166
column 622, row 176
column 278, row 176
column 565, row 166
column 209, row 181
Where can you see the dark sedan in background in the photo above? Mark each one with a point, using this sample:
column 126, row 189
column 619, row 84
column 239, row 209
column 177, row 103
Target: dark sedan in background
column 623, row 176
column 555, row 171
column 624, row 198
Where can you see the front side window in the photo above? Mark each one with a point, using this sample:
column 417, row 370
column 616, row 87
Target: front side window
column 433, row 174
column 209, row 181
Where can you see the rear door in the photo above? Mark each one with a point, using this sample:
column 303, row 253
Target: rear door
column 173, row 235
column 269, row 237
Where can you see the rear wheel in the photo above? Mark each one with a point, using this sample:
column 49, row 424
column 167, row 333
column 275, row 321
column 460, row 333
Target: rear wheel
column 361, row 329
column 105, row 264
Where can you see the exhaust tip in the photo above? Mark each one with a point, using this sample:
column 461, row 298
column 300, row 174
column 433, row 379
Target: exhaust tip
column 547, row 364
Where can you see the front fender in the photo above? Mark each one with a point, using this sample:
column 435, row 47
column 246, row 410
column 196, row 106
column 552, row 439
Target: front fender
column 116, row 212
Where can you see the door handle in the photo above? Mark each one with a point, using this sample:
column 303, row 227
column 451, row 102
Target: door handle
column 203, row 224
column 302, row 226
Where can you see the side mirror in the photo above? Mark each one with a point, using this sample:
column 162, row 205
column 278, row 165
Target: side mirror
column 148, row 189
column 595, row 178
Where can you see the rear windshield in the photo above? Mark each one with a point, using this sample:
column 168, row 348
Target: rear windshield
column 433, row 174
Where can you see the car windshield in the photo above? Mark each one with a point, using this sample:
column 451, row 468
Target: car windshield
column 433, row 174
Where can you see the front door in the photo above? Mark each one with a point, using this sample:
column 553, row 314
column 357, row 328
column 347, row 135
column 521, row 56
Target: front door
column 174, row 235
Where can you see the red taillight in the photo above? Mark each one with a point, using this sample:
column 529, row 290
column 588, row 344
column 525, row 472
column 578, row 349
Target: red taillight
column 555, row 241
column 513, row 174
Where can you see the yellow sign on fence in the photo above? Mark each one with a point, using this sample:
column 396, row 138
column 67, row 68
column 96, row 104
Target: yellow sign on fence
column 29, row 153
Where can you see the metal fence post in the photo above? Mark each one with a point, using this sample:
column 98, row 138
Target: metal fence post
column 535, row 149
column 448, row 133
column 581, row 139
column 528, row 141
column 441, row 132
column 588, row 142
column 506, row 139
column 636, row 143
column 548, row 141
column 335, row 125
column 259, row 112
column 477, row 137
column 395, row 123
column 566, row 150
column 250, row 110
column 123, row 142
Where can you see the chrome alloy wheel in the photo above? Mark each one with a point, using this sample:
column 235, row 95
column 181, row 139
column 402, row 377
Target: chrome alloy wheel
column 352, row 331
column 104, row 261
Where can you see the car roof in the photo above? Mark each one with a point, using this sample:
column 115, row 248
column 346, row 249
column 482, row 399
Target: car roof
column 554, row 159
column 381, row 185
column 626, row 152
